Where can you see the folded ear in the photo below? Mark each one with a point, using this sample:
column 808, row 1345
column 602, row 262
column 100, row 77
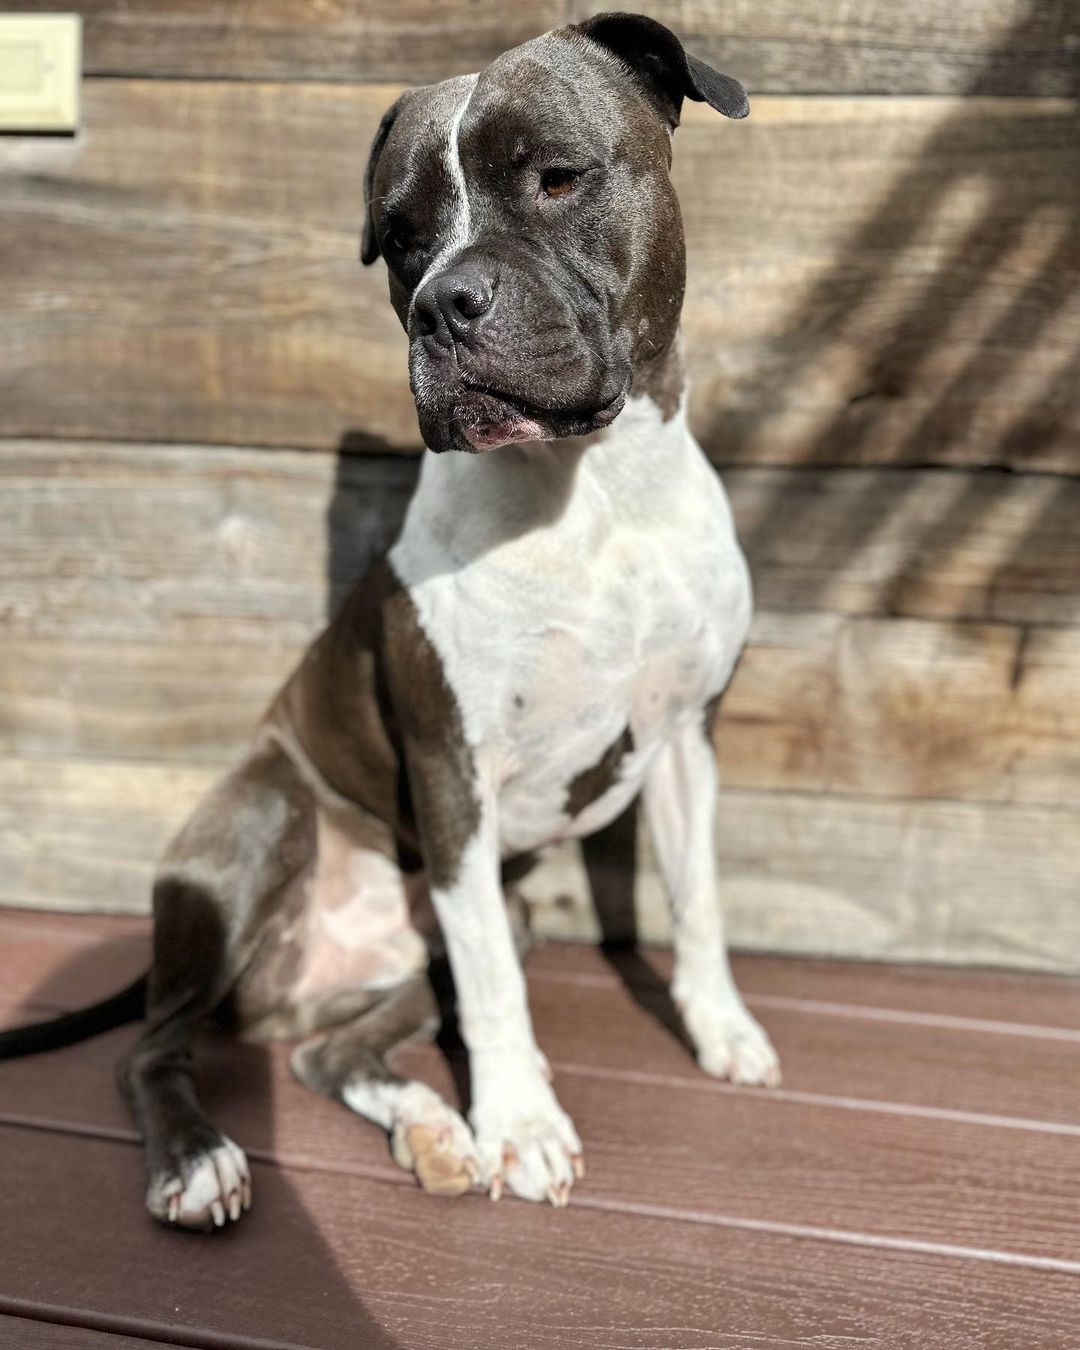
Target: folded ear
column 369, row 243
column 663, row 68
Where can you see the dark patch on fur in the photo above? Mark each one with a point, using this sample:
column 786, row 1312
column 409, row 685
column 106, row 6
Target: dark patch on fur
column 357, row 1050
column 591, row 784
column 441, row 773
column 188, row 978
column 371, row 696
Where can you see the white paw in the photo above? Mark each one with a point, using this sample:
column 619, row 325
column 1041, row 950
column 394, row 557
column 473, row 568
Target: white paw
column 525, row 1140
column 208, row 1190
column 732, row 1045
column 431, row 1139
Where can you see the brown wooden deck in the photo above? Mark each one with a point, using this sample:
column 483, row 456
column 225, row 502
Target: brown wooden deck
column 916, row 1183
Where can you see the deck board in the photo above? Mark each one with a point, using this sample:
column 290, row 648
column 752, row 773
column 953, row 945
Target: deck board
column 334, row 1261
column 31, row 1333
column 914, row 1184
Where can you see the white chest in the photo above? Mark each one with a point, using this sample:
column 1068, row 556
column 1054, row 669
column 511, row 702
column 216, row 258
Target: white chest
column 620, row 608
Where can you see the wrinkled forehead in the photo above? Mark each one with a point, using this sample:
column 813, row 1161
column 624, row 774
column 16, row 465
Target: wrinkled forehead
column 553, row 94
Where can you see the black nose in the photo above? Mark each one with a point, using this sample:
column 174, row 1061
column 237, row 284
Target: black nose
column 449, row 307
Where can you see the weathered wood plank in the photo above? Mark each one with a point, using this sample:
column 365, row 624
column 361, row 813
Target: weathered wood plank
column 84, row 835
column 986, row 546
column 827, row 875
column 883, row 708
column 886, row 280
column 901, row 708
column 415, row 42
column 155, row 600
column 189, row 267
column 976, row 46
column 972, row 47
column 187, row 271
column 171, row 701
column 180, row 544
column 187, row 544
column 855, row 877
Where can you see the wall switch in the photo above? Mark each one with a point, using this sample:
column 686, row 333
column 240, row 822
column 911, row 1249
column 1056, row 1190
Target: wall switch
column 40, row 69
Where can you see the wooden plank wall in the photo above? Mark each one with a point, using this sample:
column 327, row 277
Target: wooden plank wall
column 205, row 431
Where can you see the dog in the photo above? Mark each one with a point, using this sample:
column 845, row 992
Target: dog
column 548, row 638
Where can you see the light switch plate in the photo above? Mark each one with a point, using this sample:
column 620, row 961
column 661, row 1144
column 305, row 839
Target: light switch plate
column 40, row 69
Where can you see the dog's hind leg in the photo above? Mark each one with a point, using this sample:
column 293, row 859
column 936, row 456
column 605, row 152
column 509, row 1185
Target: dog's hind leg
column 220, row 879
column 349, row 1063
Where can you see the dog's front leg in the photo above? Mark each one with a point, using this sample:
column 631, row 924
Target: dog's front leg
column 523, row 1137
column 680, row 807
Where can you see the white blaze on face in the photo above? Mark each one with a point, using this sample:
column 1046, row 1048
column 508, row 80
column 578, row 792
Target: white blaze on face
column 459, row 227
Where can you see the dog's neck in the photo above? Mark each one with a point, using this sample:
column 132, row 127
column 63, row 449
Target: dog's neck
column 467, row 505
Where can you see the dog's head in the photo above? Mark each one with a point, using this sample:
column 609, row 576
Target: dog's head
column 531, row 231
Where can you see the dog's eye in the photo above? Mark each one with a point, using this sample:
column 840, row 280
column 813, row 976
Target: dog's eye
column 558, row 182
column 397, row 239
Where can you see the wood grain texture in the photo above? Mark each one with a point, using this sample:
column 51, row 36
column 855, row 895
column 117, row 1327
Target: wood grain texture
column 830, row 875
column 847, row 876
column 871, row 280
column 200, row 544
column 69, row 961
column 903, row 708
column 689, row 1231
column 983, row 46
column 845, row 1039
column 885, row 280
column 886, row 708
column 188, row 545
column 972, row 47
column 654, row 1142
column 988, row 546
column 31, row 1333
column 154, row 598
column 188, row 269
column 335, row 1261
column 343, row 40
column 854, row 988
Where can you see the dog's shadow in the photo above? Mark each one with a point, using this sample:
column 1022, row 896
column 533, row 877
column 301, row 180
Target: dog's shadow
column 313, row 1303
column 610, row 867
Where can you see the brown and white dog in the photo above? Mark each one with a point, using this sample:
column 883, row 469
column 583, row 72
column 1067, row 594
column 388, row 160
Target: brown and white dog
column 549, row 637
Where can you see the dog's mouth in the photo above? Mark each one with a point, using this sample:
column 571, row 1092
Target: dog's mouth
column 485, row 418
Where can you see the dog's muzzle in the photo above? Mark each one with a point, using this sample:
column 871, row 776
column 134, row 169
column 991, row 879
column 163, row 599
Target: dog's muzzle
column 494, row 362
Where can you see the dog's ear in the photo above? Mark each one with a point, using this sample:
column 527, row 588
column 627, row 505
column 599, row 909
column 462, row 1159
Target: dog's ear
column 665, row 70
column 369, row 243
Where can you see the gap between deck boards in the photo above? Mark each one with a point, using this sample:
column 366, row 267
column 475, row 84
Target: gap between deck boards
column 137, row 1329
column 392, row 1176
column 543, row 971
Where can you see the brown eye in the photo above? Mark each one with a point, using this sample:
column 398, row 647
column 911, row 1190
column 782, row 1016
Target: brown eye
column 558, row 182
